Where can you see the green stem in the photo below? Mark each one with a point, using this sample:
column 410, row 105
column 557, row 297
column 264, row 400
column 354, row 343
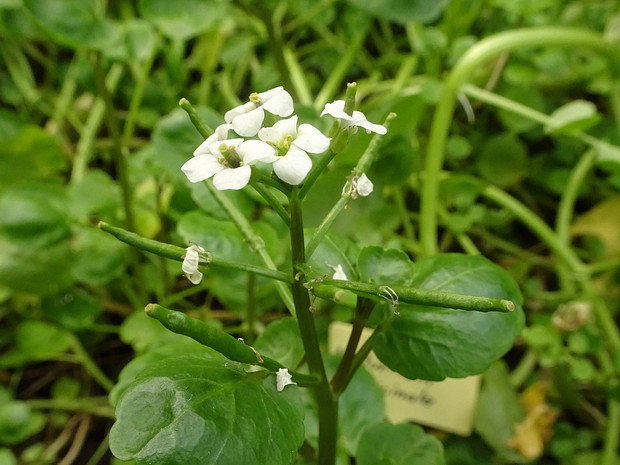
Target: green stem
column 411, row 295
column 363, row 310
column 326, row 401
column 204, row 130
column 363, row 164
column 612, row 434
column 271, row 199
column 90, row 366
column 255, row 242
column 569, row 196
column 89, row 133
column 539, row 227
column 177, row 253
column 330, row 88
column 137, row 94
column 94, row 405
column 477, row 55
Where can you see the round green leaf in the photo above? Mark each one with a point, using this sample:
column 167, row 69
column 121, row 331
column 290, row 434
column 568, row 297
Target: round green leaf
column 431, row 343
column 281, row 341
column 190, row 409
column 404, row 444
column 74, row 310
column 34, row 239
column 99, row 257
column 184, row 19
column 503, row 160
column 577, row 115
column 384, row 266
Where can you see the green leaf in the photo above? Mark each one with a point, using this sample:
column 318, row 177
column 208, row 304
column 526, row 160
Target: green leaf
column 431, row 343
column 377, row 265
column 184, row 19
column 503, row 160
column 73, row 310
column 34, row 239
column 18, row 422
column 498, row 411
column 169, row 344
column 281, row 341
column 35, row 341
column 95, row 193
column 361, row 406
column 577, row 115
column 404, row 444
column 403, row 11
column 31, row 154
column 191, row 409
column 99, row 258
column 76, row 23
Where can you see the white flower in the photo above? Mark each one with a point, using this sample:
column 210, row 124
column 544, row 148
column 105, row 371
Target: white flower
column 339, row 273
column 283, row 378
column 221, row 133
column 228, row 162
column 247, row 119
column 191, row 262
column 364, row 185
column 358, row 186
column 336, row 109
column 292, row 144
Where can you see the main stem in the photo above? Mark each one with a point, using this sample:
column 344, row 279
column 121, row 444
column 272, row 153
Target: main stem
column 326, row 401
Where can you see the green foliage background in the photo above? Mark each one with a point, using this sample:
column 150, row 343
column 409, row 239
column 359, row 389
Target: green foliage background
column 90, row 130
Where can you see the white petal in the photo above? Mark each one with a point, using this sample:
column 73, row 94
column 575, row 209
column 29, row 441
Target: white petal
column 191, row 262
column 232, row 178
column 311, row 139
column 272, row 134
column 277, row 101
column 194, row 277
column 339, row 273
column 336, row 109
column 252, row 151
column 293, row 167
column 248, row 124
column 240, row 110
column 283, row 378
column 364, row 186
column 201, row 167
column 221, row 133
column 360, row 120
column 276, row 133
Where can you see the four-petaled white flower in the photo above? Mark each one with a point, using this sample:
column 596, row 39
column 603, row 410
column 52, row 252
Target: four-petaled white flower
column 339, row 273
column 283, row 378
column 191, row 262
column 292, row 144
column 247, row 119
column 228, row 162
column 336, row 109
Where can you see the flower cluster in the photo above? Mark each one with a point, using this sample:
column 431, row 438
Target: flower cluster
column 285, row 145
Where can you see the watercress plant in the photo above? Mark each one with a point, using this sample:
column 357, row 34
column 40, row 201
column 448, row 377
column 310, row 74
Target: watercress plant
column 234, row 401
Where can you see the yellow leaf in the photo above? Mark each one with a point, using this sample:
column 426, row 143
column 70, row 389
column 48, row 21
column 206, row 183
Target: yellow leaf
column 602, row 221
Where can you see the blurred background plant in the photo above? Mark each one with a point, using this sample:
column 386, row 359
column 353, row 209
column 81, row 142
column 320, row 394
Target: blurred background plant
column 90, row 130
